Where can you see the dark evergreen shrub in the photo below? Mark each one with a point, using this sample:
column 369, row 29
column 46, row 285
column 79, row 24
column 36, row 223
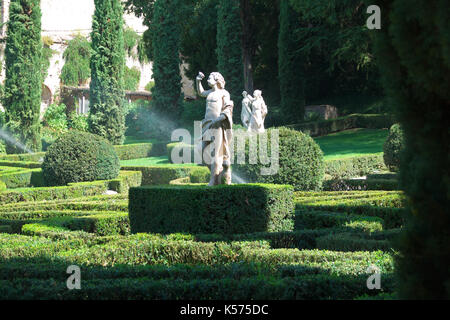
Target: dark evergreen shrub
column 413, row 52
column 107, row 95
column 229, row 50
column 23, row 83
column 301, row 161
column 291, row 65
column 166, row 62
column 78, row 157
column 393, row 147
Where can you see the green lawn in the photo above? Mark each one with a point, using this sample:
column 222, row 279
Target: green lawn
column 351, row 143
column 152, row 161
column 340, row 145
column 133, row 140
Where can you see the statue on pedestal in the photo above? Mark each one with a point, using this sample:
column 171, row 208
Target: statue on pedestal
column 217, row 127
column 258, row 111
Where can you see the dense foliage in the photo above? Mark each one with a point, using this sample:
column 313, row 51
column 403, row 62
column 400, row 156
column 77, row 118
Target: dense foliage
column 131, row 79
column 200, row 27
column 300, row 161
column 393, row 147
column 55, row 117
column 291, row 65
column 106, row 116
column 166, row 60
column 413, row 50
column 336, row 46
column 23, row 84
column 229, row 52
column 76, row 70
column 79, row 157
column 47, row 53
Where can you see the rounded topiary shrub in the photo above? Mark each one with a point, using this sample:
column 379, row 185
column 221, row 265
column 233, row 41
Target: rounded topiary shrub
column 300, row 160
column 393, row 147
column 2, row 186
column 79, row 157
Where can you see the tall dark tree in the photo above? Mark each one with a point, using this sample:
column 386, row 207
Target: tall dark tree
column 413, row 49
column 23, row 84
column 290, row 65
column 166, row 59
column 106, row 116
column 199, row 26
column 229, row 49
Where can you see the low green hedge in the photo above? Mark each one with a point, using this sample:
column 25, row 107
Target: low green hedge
column 26, row 157
column 72, row 190
column 317, row 287
column 134, row 151
column 351, row 242
column 221, row 209
column 22, row 178
column 76, row 226
column 160, row 175
column 20, row 164
column 324, row 127
column 125, row 152
column 182, row 145
column 369, row 184
column 355, row 166
column 2, row 186
column 324, row 219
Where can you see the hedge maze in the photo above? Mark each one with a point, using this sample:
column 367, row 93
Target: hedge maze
column 282, row 245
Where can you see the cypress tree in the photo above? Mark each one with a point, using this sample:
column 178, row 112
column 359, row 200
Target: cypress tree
column 106, row 116
column 166, row 60
column 23, row 84
column 413, row 51
column 290, row 65
column 229, row 49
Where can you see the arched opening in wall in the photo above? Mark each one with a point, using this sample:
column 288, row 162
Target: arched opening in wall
column 46, row 98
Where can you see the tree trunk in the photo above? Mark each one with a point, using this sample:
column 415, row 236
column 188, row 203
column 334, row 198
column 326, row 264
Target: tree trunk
column 247, row 50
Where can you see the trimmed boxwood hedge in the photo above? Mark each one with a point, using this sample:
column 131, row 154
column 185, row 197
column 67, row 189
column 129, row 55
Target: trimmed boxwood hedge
column 79, row 157
column 393, row 147
column 134, row 151
column 22, row 178
column 369, row 184
column 73, row 190
column 300, row 159
column 20, row 164
column 27, row 157
column 159, row 175
column 324, row 127
column 355, row 166
column 220, row 209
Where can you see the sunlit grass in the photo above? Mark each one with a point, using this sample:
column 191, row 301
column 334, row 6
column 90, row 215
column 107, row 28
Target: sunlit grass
column 352, row 143
column 152, row 161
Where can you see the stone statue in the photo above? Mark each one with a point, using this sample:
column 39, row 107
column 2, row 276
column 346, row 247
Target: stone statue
column 258, row 113
column 246, row 112
column 218, row 122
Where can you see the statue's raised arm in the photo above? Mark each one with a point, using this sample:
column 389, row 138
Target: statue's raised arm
column 203, row 93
